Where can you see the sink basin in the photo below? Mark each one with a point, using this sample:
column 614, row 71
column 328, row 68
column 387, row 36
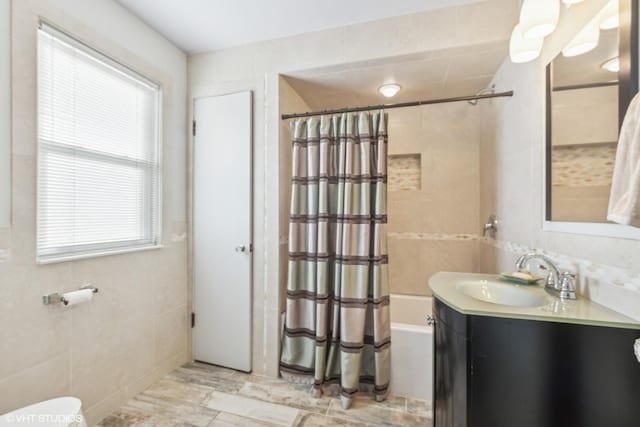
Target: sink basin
column 497, row 292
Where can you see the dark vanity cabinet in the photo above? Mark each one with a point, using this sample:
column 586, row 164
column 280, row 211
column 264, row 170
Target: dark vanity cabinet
column 500, row 372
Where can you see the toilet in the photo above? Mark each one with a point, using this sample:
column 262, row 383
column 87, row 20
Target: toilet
column 59, row 412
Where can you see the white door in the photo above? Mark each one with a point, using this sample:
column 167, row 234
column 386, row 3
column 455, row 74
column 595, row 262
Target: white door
column 222, row 230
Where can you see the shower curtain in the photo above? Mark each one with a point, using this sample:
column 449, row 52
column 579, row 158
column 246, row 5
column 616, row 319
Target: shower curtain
column 337, row 325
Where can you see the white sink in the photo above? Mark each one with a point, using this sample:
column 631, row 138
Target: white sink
column 497, row 292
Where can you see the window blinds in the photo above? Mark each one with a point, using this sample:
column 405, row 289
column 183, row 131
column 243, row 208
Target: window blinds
column 98, row 158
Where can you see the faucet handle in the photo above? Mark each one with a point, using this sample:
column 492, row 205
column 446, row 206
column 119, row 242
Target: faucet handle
column 550, row 279
column 567, row 285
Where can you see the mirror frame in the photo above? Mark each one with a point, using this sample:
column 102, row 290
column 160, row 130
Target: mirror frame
column 5, row 113
column 627, row 89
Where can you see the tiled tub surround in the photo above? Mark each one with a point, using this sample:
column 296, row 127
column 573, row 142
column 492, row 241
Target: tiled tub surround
column 405, row 172
column 433, row 223
column 204, row 395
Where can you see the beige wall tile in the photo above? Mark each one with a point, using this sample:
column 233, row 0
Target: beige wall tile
column 93, row 350
column 412, row 262
column 40, row 382
column 171, row 333
column 97, row 412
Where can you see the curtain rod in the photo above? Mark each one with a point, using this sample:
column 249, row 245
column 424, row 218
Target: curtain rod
column 399, row 105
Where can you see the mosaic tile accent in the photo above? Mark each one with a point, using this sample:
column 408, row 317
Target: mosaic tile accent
column 433, row 236
column 583, row 165
column 405, row 172
column 197, row 394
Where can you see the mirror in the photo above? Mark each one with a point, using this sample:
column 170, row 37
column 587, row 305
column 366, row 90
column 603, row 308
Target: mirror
column 587, row 97
column 5, row 115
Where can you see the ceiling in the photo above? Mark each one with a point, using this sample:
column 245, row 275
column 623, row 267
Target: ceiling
column 204, row 25
column 586, row 68
column 437, row 74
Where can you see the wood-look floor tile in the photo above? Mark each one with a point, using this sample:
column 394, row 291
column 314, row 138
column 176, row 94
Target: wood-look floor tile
column 172, row 409
column 277, row 391
column 310, row 419
column 419, row 407
column 200, row 395
column 368, row 411
column 217, row 380
column 169, row 388
column 396, row 403
column 126, row 417
column 230, row 420
column 251, row 408
column 205, row 368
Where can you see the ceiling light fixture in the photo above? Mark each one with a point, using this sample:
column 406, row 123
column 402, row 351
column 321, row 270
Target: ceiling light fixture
column 389, row 90
column 522, row 49
column 538, row 18
column 586, row 40
column 612, row 65
column 571, row 2
column 610, row 17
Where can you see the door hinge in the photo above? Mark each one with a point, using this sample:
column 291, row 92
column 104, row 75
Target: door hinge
column 193, row 319
column 193, row 128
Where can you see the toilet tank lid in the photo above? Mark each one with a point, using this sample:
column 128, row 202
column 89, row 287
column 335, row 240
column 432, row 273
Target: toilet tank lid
column 58, row 412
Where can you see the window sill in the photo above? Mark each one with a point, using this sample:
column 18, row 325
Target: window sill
column 76, row 257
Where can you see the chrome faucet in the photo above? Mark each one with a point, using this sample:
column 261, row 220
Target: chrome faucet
column 560, row 285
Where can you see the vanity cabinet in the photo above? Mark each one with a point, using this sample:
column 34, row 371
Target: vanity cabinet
column 502, row 372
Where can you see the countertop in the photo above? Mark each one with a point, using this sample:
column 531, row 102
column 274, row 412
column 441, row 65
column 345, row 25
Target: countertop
column 580, row 311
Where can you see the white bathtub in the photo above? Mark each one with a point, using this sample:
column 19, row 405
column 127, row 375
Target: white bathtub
column 411, row 347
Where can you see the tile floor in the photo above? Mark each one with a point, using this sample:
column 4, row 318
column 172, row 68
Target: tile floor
column 203, row 395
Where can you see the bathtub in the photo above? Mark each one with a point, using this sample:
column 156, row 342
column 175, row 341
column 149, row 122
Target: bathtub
column 411, row 347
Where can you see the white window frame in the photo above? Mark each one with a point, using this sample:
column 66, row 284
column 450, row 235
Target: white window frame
column 99, row 250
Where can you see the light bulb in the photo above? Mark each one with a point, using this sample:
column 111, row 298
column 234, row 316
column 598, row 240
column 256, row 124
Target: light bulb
column 586, row 40
column 609, row 16
column 521, row 49
column 389, row 90
column 538, row 18
column 612, row 65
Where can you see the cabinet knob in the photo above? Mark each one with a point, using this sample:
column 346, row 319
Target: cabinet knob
column 431, row 321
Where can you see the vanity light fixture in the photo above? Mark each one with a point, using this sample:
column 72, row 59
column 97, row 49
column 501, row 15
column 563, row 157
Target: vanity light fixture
column 610, row 17
column 389, row 90
column 522, row 49
column 538, row 18
column 571, row 2
column 612, row 65
column 586, row 40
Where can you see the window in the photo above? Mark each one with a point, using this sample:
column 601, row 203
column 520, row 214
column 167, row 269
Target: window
column 98, row 153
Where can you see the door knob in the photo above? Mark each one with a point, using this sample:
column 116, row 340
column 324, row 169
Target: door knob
column 241, row 248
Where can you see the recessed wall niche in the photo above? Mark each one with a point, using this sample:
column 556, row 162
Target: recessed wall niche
column 404, row 171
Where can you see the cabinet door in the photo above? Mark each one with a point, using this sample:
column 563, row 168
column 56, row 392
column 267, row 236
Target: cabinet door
column 450, row 369
column 443, row 378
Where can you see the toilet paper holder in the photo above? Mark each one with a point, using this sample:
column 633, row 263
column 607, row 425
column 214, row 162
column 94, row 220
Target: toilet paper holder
column 58, row 297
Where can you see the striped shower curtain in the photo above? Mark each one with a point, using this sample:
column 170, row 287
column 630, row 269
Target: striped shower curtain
column 337, row 326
